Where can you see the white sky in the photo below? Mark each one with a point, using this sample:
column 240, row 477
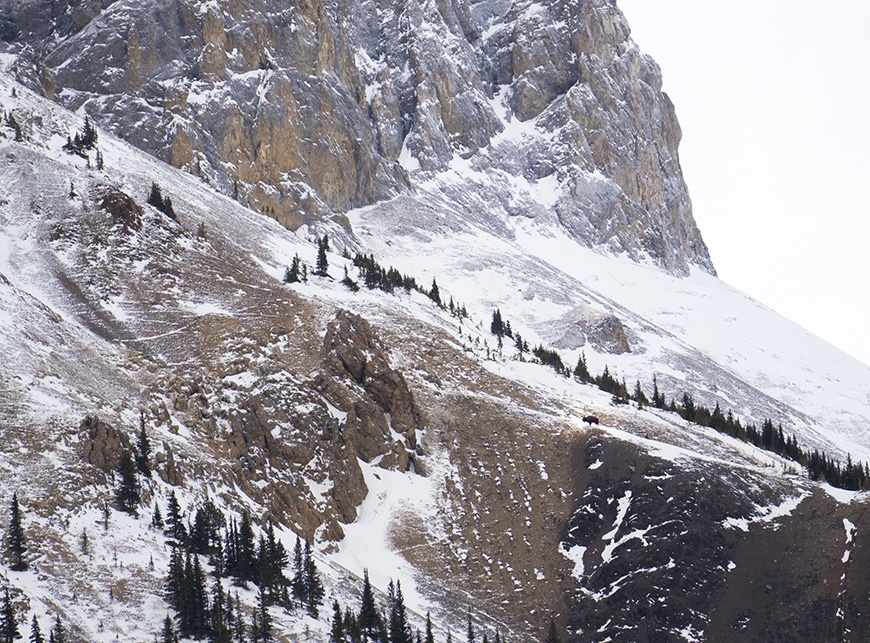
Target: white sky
column 772, row 97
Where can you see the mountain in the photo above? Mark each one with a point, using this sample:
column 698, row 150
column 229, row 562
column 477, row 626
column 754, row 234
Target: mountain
column 397, row 435
column 307, row 112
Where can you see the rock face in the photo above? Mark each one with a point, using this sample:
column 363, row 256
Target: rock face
column 309, row 111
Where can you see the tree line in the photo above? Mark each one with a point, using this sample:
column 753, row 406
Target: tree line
column 819, row 466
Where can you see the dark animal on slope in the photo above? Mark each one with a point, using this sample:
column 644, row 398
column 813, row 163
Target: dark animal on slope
column 590, row 420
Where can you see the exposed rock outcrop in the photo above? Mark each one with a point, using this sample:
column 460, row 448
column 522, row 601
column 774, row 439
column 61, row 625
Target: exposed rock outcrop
column 309, row 111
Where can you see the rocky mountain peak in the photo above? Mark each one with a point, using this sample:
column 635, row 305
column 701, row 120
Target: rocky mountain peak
column 307, row 112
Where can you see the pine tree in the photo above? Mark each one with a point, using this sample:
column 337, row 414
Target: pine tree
column 143, row 449
column 175, row 529
column 168, row 635
column 322, row 261
column 246, row 554
column 261, row 629
column 127, row 493
column 8, row 622
column 469, row 632
column 497, row 325
column 336, row 632
column 219, row 631
column 17, row 546
column 434, row 292
column 430, row 638
column 369, row 620
column 581, row 372
column 239, row 634
column 311, row 580
column 157, row 518
column 85, row 543
column 298, row 572
column 155, row 198
column 291, row 274
column 58, row 631
column 35, row 633
column 400, row 631
column 639, row 396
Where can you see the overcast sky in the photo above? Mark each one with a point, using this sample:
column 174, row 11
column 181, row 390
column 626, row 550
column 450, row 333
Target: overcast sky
column 772, row 97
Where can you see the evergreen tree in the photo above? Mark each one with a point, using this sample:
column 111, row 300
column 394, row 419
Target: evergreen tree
column 168, row 634
column 175, row 529
column 157, row 519
column 400, row 631
column 155, row 198
column 35, row 633
column 430, row 638
column 311, row 580
column 336, row 632
column 219, row 631
column 8, row 622
column 245, row 569
column 688, row 409
column 497, row 325
column 658, row 399
column 291, row 274
column 369, row 620
column 434, row 292
column 239, row 634
column 322, row 261
column 469, row 632
column 17, row 546
column 639, row 396
column 581, row 371
column 127, row 493
column 261, row 621
column 143, row 449
column 58, row 631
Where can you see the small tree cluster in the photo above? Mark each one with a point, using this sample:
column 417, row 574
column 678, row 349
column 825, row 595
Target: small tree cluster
column 297, row 271
column 83, row 141
column 373, row 275
column 307, row 586
column 158, row 201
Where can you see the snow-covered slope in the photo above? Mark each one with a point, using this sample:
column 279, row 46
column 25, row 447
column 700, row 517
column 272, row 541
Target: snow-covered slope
column 396, row 435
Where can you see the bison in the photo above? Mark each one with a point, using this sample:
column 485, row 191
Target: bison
column 590, row 420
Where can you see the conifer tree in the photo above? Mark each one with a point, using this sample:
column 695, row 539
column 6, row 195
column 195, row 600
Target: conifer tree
column 400, row 631
column 168, row 634
column 430, row 638
column 127, row 493
column 291, row 274
column 219, row 631
column 143, row 449
column 336, row 631
column 322, row 266
column 497, row 325
column 175, row 529
column 17, row 546
column 261, row 623
column 369, row 620
column 311, row 580
column 581, row 372
column 155, row 198
column 35, row 632
column 434, row 292
column 157, row 518
column 8, row 622
column 639, row 396
column 58, row 631
column 239, row 634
